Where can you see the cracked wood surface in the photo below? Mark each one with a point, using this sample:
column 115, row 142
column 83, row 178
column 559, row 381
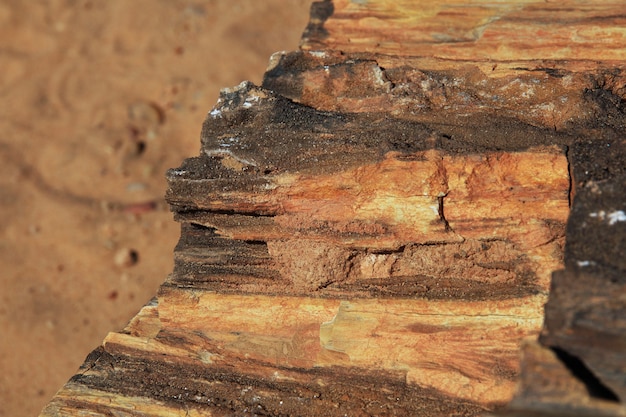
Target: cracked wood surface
column 374, row 229
column 375, row 219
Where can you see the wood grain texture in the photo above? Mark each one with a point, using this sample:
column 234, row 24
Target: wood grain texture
column 442, row 227
column 374, row 230
column 477, row 31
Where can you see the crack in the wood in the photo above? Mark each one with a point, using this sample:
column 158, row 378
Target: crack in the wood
column 442, row 217
column 570, row 177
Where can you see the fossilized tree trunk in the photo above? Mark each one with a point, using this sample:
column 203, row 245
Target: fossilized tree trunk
column 373, row 231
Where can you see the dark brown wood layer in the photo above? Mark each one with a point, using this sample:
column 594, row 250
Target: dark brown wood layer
column 209, row 388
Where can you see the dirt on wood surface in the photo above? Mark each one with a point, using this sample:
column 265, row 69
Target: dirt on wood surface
column 97, row 100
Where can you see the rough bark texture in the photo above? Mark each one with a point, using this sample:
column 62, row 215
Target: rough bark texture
column 373, row 231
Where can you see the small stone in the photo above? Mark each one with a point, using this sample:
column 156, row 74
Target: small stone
column 126, row 257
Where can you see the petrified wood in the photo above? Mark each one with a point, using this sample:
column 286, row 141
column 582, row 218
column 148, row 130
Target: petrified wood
column 374, row 230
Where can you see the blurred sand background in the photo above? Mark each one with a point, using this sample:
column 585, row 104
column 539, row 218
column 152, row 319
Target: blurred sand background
column 97, row 99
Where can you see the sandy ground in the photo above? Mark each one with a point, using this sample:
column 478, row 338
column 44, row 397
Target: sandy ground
column 97, row 100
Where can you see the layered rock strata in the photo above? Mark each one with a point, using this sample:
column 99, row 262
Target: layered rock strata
column 374, row 230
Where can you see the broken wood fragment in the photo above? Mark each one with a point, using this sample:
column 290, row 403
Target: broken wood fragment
column 374, row 230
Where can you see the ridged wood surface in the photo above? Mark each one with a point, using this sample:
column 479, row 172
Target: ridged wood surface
column 374, row 230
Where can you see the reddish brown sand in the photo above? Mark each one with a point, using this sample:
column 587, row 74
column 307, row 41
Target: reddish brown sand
column 97, row 100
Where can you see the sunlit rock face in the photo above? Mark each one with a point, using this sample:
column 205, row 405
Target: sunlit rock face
column 396, row 248
column 376, row 227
